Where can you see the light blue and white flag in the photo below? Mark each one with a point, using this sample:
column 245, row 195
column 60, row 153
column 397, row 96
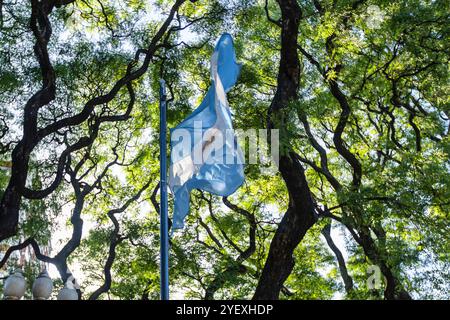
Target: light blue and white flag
column 204, row 150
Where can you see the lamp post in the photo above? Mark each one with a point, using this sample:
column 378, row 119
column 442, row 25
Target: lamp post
column 68, row 292
column 15, row 286
column 42, row 286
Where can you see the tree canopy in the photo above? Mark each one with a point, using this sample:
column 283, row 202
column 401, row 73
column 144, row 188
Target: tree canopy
column 358, row 207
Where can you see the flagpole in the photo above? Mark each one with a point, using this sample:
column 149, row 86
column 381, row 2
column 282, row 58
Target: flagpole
column 164, row 218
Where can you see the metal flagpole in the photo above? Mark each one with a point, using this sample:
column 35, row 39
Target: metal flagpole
column 164, row 218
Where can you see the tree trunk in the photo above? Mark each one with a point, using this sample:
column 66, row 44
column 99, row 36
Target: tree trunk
column 348, row 281
column 394, row 290
column 299, row 216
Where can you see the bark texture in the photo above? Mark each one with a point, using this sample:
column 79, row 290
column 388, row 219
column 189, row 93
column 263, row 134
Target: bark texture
column 300, row 215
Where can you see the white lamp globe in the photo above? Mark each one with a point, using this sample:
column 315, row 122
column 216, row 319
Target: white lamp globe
column 15, row 286
column 42, row 286
column 68, row 292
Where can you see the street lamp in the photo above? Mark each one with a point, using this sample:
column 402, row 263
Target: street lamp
column 42, row 286
column 68, row 292
column 15, row 286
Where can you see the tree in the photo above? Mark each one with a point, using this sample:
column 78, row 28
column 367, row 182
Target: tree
column 356, row 88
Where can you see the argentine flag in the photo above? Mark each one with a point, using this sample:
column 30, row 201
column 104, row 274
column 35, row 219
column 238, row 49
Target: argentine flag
column 204, row 150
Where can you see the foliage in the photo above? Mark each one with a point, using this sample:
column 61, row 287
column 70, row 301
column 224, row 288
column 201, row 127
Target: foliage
column 393, row 76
